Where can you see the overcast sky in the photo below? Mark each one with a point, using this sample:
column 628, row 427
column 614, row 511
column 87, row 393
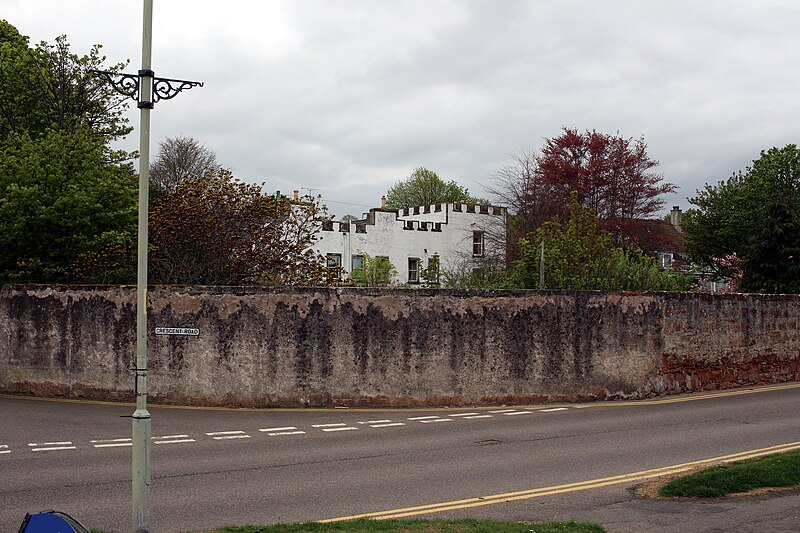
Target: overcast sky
column 348, row 97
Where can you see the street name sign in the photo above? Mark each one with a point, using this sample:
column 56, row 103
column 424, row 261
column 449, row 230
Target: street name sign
column 178, row 331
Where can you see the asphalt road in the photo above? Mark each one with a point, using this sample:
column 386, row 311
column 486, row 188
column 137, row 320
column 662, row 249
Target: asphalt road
column 217, row 467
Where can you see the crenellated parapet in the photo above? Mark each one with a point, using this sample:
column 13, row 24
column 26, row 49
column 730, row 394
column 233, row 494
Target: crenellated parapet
column 440, row 216
column 457, row 207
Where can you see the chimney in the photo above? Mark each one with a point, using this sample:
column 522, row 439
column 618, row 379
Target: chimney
column 675, row 217
column 296, row 195
column 383, row 202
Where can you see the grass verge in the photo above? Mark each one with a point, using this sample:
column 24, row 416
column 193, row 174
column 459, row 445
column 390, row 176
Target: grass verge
column 426, row 526
column 779, row 470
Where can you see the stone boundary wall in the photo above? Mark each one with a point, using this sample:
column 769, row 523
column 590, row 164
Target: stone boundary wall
column 325, row 347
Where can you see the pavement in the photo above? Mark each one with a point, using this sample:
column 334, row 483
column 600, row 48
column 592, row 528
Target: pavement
column 620, row 510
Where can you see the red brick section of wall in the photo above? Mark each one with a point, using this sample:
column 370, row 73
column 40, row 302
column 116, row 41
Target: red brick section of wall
column 719, row 342
column 270, row 347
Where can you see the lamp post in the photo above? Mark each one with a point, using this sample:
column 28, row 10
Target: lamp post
column 146, row 89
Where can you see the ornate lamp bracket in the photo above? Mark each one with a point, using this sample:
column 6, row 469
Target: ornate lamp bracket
column 130, row 85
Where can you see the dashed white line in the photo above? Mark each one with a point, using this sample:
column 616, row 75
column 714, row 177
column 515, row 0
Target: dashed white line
column 518, row 413
column 552, row 409
column 436, row 420
column 51, row 446
column 375, row 422
column 172, row 439
column 287, row 428
column 423, row 417
column 502, row 411
column 328, row 425
column 392, row 424
column 281, row 433
column 111, row 443
column 228, row 435
column 464, row 414
column 477, row 416
column 348, row 428
column 4, row 448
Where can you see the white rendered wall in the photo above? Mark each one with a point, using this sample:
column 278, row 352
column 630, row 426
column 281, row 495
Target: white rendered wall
column 385, row 236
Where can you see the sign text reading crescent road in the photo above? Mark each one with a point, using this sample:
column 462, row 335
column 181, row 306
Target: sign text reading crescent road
column 178, row 331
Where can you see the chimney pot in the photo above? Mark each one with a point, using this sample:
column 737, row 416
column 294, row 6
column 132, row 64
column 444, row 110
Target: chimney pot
column 383, row 202
column 296, row 195
column 675, row 217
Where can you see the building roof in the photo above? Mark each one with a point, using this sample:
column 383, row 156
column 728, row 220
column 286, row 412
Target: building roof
column 652, row 236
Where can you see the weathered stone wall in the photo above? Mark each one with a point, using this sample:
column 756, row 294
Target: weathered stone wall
column 393, row 347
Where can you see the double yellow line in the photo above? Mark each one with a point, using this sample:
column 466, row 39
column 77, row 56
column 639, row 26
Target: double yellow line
column 570, row 487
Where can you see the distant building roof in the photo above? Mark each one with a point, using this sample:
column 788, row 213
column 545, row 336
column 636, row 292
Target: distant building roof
column 652, row 235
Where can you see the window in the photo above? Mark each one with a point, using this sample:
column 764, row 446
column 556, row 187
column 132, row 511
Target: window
column 666, row 260
column 334, row 261
column 413, row 270
column 357, row 262
column 477, row 244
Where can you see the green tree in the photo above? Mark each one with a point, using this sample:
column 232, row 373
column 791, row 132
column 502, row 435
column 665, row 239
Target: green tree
column 730, row 214
column 581, row 256
column 374, row 272
column 773, row 263
column 425, row 187
column 59, row 200
column 63, row 191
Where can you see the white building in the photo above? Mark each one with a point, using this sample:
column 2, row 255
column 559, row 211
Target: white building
column 461, row 235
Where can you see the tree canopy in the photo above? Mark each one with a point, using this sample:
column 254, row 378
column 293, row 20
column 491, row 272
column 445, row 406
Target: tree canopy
column 612, row 175
column 216, row 230
column 63, row 190
column 178, row 159
column 424, row 187
column 582, row 256
column 751, row 216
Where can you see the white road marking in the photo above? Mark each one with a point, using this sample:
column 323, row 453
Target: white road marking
column 280, row 433
column 214, row 433
column 110, row 440
column 113, row 445
column 287, row 428
column 436, row 420
column 51, row 446
column 228, row 437
column 422, row 418
column 328, row 425
column 519, row 413
column 349, row 428
column 4, row 448
column 553, row 409
column 477, row 416
column 375, row 422
column 172, row 439
column 464, row 414
column 387, row 425
column 502, row 411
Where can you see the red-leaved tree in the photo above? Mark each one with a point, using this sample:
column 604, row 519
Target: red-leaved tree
column 612, row 175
